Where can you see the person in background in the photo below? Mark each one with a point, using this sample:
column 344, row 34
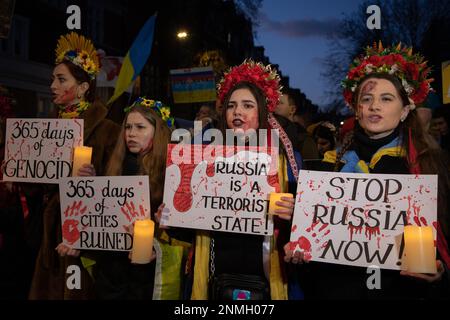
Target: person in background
column 325, row 136
column 301, row 139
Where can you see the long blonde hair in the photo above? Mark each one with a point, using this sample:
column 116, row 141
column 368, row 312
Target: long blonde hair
column 153, row 162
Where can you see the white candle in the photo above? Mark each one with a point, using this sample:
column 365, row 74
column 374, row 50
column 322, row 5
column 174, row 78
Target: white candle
column 81, row 155
column 142, row 241
column 274, row 197
column 420, row 253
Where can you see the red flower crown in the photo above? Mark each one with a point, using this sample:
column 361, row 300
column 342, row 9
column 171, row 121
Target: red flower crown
column 410, row 69
column 262, row 76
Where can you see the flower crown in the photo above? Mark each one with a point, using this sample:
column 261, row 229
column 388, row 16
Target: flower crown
column 410, row 69
column 80, row 51
column 262, row 76
column 157, row 106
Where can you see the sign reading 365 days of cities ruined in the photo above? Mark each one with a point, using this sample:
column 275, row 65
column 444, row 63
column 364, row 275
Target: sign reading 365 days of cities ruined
column 40, row 150
column 227, row 190
column 358, row 219
column 98, row 212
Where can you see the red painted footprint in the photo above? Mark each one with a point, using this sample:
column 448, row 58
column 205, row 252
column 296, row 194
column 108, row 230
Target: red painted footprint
column 70, row 230
column 182, row 201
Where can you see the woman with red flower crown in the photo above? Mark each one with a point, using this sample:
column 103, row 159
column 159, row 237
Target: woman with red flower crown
column 231, row 266
column 388, row 138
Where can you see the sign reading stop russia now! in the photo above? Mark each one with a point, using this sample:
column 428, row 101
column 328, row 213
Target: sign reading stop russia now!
column 40, row 150
column 358, row 219
column 97, row 213
column 220, row 188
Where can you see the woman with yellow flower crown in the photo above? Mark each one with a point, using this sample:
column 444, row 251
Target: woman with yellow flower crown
column 383, row 88
column 73, row 88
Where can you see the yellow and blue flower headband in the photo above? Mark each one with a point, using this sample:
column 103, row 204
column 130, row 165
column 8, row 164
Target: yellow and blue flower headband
column 157, row 106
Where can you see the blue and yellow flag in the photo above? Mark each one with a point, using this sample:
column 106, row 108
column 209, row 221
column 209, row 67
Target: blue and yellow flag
column 136, row 58
column 193, row 85
column 446, row 82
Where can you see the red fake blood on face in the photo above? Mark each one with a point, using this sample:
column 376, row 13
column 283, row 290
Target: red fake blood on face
column 182, row 201
column 70, row 231
column 294, row 228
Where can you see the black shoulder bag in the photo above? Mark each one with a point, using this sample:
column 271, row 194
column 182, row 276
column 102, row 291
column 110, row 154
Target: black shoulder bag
column 234, row 286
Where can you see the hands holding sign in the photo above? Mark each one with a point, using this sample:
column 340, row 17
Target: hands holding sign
column 87, row 170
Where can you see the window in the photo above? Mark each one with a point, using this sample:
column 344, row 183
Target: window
column 17, row 43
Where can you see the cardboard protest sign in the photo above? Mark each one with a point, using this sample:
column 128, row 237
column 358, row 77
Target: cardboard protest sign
column 226, row 190
column 358, row 219
column 40, row 150
column 98, row 212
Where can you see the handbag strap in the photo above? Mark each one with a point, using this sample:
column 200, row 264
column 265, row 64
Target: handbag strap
column 212, row 266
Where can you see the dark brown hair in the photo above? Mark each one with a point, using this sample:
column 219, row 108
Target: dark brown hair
column 152, row 163
column 82, row 76
column 260, row 100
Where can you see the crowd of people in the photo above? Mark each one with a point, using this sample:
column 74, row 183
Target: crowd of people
column 386, row 136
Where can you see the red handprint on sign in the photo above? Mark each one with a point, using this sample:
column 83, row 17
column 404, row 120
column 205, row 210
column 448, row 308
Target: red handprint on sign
column 130, row 212
column 70, row 230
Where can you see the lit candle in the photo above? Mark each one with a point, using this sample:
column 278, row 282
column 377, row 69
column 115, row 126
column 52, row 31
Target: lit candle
column 420, row 253
column 81, row 155
column 142, row 241
column 274, row 197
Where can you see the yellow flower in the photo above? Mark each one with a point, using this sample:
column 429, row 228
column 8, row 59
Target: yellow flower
column 165, row 113
column 83, row 55
column 147, row 103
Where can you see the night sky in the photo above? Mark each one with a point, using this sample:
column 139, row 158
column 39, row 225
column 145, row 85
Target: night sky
column 294, row 34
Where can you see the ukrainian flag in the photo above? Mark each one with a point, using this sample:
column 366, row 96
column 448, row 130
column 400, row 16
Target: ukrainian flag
column 136, row 58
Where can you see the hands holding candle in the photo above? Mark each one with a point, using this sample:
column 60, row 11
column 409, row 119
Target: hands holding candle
column 420, row 254
column 142, row 251
column 81, row 156
column 282, row 204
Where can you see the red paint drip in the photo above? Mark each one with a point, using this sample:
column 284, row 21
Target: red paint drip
column 354, row 230
column 294, row 228
column 372, row 231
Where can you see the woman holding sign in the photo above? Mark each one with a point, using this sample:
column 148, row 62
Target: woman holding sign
column 383, row 89
column 227, row 263
column 141, row 151
column 73, row 88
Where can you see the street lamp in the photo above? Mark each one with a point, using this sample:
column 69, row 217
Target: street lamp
column 182, row 35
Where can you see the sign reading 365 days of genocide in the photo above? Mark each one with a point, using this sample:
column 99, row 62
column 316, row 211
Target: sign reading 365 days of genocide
column 358, row 219
column 228, row 190
column 98, row 212
column 40, row 150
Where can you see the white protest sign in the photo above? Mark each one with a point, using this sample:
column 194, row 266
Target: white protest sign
column 98, row 212
column 227, row 190
column 358, row 219
column 40, row 150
